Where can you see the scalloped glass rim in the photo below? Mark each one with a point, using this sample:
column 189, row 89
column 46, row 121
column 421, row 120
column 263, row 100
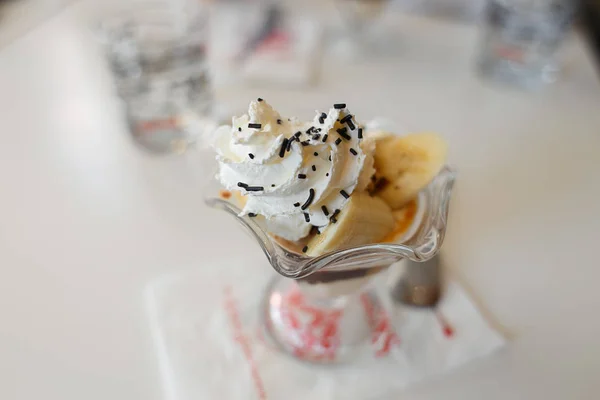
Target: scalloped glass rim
column 421, row 246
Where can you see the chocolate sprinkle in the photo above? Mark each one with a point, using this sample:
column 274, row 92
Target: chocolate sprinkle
column 325, row 138
column 325, row 210
column 342, row 132
column 305, row 249
column 316, row 154
column 305, row 143
column 343, row 193
column 311, row 196
column 289, row 143
column 251, row 156
column 301, row 176
column 252, row 215
column 255, row 126
column 272, row 185
column 306, row 217
column 259, row 99
column 337, row 142
column 353, row 151
column 314, row 168
column 339, row 106
column 329, row 158
column 239, row 128
column 333, row 218
column 316, row 136
column 279, row 121
column 351, row 125
column 254, row 188
column 360, row 133
column 296, row 204
column 346, row 118
column 242, row 184
column 323, row 115
column 284, row 145
column 321, row 120
column 297, row 134
column 327, row 174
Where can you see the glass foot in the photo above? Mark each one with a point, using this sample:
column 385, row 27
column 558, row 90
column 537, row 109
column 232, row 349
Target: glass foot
column 324, row 329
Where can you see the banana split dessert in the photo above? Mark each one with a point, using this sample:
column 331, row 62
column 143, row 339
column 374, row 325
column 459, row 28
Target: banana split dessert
column 327, row 184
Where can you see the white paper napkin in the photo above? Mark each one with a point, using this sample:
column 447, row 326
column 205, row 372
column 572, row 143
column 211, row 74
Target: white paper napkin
column 205, row 326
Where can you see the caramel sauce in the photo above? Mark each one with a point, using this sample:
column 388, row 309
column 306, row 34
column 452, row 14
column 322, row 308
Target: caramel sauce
column 404, row 219
column 225, row 194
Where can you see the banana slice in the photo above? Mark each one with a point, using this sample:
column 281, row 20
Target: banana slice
column 363, row 220
column 378, row 135
column 408, row 163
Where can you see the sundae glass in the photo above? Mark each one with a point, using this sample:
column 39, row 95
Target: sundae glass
column 331, row 204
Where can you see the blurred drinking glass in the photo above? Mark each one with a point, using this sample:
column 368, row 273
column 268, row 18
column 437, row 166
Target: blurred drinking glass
column 358, row 18
column 157, row 54
column 521, row 39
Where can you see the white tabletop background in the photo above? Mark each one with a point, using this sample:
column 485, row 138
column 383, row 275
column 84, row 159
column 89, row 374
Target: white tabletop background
column 87, row 219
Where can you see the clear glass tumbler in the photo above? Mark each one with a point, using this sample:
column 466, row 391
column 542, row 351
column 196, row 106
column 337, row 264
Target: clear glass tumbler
column 358, row 35
column 157, row 53
column 521, row 39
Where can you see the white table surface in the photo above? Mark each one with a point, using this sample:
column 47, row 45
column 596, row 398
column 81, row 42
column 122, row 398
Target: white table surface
column 87, row 219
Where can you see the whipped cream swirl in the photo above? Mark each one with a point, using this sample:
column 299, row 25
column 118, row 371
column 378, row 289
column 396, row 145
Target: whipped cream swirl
column 295, row 174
